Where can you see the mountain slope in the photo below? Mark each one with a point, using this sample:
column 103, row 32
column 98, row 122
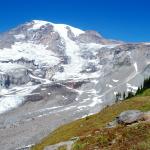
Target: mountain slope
column 51, row 74
column 43, row 50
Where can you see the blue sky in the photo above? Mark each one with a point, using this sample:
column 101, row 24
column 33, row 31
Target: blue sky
column 127, row 20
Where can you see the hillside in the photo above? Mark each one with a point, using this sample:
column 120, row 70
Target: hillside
column 52, row 74
column 93, row 134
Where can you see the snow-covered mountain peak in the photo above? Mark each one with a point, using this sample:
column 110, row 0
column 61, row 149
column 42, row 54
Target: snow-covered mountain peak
column 60, row 27
column 53, row 46
column 37, row 24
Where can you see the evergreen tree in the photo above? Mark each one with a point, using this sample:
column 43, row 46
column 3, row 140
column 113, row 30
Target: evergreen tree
column 124, row 96
column 141, row 89
column 145, row 86
column 130, row 95
column 7, row 82
column 118, row 97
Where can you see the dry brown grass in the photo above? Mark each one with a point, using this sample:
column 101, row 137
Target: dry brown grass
column 135, row 137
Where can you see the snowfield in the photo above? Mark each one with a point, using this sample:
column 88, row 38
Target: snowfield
column 14, row 97
column 29, row 51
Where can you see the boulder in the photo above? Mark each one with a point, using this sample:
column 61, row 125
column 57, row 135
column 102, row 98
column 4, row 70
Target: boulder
column 34, row 97
column 146, row 116
column 129, row 117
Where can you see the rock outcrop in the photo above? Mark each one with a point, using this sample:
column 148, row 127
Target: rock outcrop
column 129, row 117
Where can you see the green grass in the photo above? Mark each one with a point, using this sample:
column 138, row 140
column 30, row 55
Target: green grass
column 84, row 127
column 146, row 93
column 79, row 146
column 63, row 147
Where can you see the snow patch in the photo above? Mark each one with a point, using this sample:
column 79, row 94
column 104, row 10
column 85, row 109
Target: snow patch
column 131, row 88
column 72, row 51
column 96, row 100
column 75, row 31
column 14, row 97
column 135, row 66
column 7, row 103
column 85, row 100
column 45, row 109
column 81, row 107
column 68, row 108
column 29, row 51
column 19, row 36
column 96, row 47
column 64, row 97
column 109, row 85
column 43, row 89
column 115, row 80
column 93, row 91
column 44, row 81
column 37, row 24
column 115, row 93
column 10, row 67
column 95, row 81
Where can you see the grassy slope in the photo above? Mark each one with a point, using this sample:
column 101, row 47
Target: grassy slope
column 84, row 127
column 134, row 137
column 146, row 93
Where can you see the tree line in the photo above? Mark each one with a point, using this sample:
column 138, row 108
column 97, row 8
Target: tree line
column 130, row 94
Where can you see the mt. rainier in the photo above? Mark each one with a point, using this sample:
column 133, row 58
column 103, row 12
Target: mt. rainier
column 61, row 73
column 41, row 51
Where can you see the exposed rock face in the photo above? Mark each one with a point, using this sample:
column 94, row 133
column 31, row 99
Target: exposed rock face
column 34, row 97
column 129, row 117
column 17, row 75
column 90, row 37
